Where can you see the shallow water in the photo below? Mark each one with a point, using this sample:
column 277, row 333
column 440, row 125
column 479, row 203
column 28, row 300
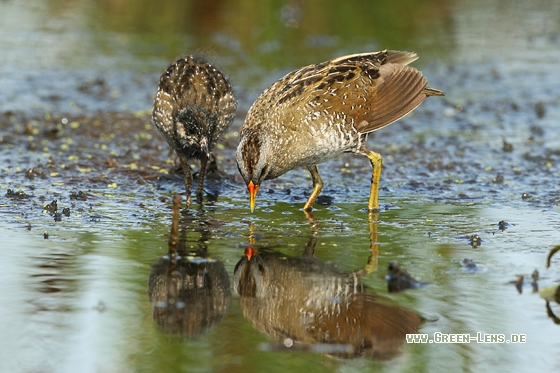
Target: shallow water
column 75, row 97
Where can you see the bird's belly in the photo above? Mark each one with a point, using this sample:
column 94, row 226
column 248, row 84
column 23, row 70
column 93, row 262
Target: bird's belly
column 316, row 145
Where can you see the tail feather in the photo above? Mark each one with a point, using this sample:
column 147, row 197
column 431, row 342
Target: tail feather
column 432, row 92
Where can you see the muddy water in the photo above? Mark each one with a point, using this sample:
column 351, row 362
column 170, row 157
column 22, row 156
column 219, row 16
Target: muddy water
column 76, row 88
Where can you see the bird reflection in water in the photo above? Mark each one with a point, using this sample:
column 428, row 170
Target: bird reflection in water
column 399, row 279
column 189, row 292
column 311, row 304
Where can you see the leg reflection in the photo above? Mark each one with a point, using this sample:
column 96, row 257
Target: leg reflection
column 373, row 260
column 189, row 291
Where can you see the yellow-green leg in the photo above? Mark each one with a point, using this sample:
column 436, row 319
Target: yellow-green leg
column 187, row 176
column 376, row 163
column 317, row 186
column 252, row 234
column 373, row 260
column 310, row 248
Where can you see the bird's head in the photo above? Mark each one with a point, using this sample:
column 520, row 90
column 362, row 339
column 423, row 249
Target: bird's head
column 252, row 163
column 194, row 126
column 249, row 275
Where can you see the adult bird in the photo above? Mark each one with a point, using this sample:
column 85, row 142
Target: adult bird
column 194, row 105
column 320, row 111
column 312, row 303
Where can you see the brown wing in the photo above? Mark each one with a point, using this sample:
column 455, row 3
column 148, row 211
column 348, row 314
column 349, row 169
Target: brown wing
column 397, row 91
column 375, row 89
column 192, row 81
column 196, row 83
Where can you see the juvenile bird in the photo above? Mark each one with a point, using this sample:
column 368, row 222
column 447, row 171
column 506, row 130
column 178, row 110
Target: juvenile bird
column 320, row 111
column 193, row 106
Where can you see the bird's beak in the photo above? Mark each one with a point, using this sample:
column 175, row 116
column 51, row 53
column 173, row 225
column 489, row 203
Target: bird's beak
column 250, row 252
column 252, row 194
column 204, row 147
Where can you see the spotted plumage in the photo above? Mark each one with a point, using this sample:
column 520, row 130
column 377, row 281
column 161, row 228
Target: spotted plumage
column 320, row 111
column 193, row 106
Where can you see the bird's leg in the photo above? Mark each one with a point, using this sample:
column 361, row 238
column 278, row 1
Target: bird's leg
column 200, row 188
column 317, row 186
column 187, row 176
column 252, row 230
column 174, row 236
column 312, row 221
column 310, row 248
column 376, row 163
column 373, row 259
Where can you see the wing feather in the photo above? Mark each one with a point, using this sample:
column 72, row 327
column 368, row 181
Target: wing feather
column 373, row 89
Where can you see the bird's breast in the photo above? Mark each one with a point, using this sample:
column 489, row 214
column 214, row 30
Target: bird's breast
column 317, row 137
